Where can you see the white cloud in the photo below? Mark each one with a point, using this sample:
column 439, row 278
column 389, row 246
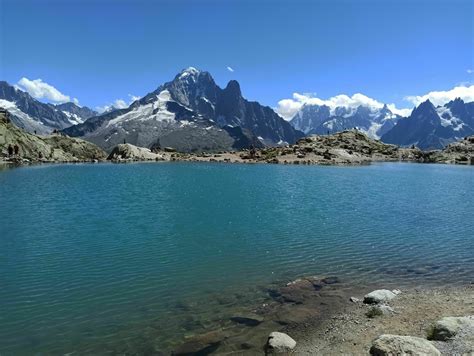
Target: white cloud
column 42, row 90
column 230, row 69
column 401, row 112
column 117, row 104
column 287, row 108
column 466, row 93
column 133, row 98
column 470, row 71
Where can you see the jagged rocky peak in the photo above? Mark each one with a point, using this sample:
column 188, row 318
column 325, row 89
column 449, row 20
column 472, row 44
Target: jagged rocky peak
column 426, row 110
column 233, row 88
column 191, row 87
column 456, row 104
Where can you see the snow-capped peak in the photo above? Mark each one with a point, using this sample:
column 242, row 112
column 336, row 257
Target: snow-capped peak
column 189, row 71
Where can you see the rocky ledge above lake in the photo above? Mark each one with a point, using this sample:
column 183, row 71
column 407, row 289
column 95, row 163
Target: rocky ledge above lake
column 19, row 146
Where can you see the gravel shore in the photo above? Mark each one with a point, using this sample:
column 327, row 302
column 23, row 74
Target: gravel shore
column 351, row 332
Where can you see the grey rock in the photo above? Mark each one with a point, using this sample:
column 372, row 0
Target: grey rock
column 380, row 310
column 379, row 296
column 388, row 345
column 449, row 327
column 279, row 343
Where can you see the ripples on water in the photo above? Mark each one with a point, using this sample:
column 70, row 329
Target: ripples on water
column 94, row 257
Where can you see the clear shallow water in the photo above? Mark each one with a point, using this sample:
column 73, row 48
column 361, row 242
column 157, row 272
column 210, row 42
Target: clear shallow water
column 96, row 258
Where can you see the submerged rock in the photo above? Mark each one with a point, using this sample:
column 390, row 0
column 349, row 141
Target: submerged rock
column 203, row 344
column 449, row 327
column 301, row 289
column 279, row 343
column 248, row 320
column 388, row 345
column 379, row 296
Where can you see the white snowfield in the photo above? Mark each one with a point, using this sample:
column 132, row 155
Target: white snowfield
column 73, row 118
column 146, row 112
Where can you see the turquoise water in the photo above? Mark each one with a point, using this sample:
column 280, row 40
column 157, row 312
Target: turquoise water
column 98, row 258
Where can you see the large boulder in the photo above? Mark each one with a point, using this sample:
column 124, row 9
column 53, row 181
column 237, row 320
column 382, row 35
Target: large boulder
column 379, row 296
column 391, row 345
column 279, row 343
column 449, row 327
column 128, row 152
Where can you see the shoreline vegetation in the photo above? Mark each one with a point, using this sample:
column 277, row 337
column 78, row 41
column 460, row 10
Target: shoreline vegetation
column 349, row 147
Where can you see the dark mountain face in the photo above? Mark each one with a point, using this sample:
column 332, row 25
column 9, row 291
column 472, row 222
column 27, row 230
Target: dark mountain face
column 433, row 128
column 186, row 113
column 198, row 91
column 32, row 115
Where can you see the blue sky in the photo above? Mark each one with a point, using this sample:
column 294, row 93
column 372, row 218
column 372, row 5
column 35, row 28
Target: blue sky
column 103, row 50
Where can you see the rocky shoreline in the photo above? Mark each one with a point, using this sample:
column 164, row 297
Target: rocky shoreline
column 343, row 148
column 317, row 316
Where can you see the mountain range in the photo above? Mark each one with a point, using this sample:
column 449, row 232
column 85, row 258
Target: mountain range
column 192, row 113
column 322, row 120
column 35, row 116
column 428, row 127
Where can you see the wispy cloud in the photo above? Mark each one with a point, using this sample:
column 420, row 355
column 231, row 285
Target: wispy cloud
column 470, row 71
column 42, row 90
column 230, row 69
column 118, row 104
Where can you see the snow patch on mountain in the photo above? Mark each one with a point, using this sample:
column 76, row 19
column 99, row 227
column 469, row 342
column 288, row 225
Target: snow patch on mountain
column 22, row 119
column 155, row 110
column 73, row 118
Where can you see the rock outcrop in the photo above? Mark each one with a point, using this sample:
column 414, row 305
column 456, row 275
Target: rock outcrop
column 461, row 152
column 50, row 148
column 387, row 345
column 129, row 152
